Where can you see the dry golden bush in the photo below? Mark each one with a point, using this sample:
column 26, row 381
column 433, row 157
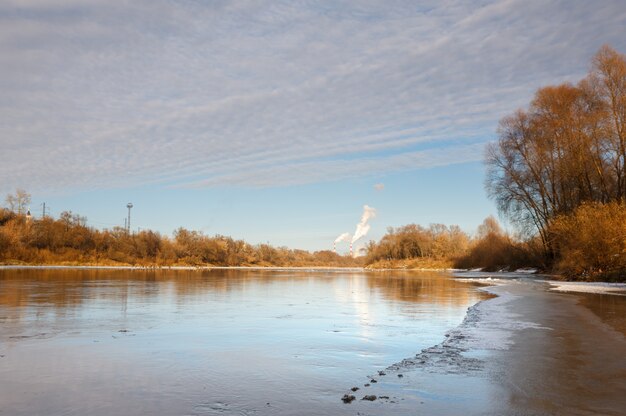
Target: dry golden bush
column 591, row 243
column 437, row 242
column 493, row 249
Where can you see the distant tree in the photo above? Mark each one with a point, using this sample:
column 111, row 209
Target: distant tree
column 70, row 219
column 412, row 241
column 489, row 226
column 493, row 249
column 18, row 202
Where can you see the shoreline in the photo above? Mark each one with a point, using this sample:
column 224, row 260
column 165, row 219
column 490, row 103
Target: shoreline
column 610, row 288
column 572, row 363
column 165, row 268
column 206, row 268
column 564, row 286
column 528, row 350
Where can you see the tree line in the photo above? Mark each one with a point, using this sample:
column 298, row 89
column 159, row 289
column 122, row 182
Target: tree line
column 441, row 246
column 69, row 240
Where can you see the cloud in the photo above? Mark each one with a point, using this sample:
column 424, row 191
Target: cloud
column 299, row 173
column 103, row 95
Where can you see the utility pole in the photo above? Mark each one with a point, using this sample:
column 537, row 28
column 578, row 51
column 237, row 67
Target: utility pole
column 44, row 212
column 129, row 206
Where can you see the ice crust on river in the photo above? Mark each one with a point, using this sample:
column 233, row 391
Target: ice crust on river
column 488, row 325
column 589, row 287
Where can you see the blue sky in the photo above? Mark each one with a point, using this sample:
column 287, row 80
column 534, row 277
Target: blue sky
column 273, row 121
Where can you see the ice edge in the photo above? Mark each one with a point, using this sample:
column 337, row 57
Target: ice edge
column 489, row 325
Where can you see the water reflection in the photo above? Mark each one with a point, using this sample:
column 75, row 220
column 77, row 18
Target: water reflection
column 432, row 287
column 204, row 342
column 64, row 288
column 610, row 308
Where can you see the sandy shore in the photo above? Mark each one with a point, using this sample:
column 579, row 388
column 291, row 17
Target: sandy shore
column 575, row 366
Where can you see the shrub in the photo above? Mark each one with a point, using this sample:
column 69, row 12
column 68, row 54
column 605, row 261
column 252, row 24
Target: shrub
column 493, row 250
column 590, row 244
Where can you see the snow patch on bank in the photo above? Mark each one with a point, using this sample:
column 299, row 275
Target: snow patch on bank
column 489, row 281
column 589, row 287
column 488, row 326
column 487, row 277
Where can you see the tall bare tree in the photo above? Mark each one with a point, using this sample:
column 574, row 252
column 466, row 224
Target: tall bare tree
column 568, row 148
column 18, row 202
column 608, row 76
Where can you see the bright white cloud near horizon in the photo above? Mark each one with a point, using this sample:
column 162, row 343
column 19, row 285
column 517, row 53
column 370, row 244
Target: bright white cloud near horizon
column 200, row 96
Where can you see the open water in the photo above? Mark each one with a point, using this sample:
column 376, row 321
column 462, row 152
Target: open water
column 241, row 342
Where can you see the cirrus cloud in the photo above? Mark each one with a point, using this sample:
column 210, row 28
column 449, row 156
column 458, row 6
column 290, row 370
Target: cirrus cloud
column 262, row 94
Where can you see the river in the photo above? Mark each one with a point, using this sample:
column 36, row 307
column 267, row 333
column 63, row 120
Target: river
column 295, row 342
column 135, row 342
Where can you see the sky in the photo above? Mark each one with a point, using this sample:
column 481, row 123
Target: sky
column 276, row 121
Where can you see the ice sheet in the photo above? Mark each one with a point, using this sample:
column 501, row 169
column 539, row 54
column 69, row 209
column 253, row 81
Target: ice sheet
column 589, row 287
column 489, row 325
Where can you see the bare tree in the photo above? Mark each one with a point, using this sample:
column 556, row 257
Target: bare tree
column 608, row 76
column 18, row 202
column 568, row 148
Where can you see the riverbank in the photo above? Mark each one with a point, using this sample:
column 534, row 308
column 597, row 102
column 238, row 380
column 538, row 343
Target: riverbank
column 412, row 264
column 575, row 366
column 527, row 351
column 121, row 267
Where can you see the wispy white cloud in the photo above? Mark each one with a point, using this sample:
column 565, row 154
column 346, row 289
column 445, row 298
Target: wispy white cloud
column 317, row 171
column 272, row 94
